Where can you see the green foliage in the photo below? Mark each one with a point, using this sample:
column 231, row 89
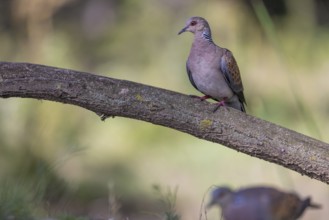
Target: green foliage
column 16, row 201
column 39, row 174
column 167, row 199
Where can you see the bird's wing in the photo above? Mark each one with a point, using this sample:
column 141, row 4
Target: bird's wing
column 244, row 207
column 231, row 72
column 286, row 205
column 190, row 76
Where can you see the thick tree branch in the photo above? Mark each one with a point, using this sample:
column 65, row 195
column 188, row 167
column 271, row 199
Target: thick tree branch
column 112, row 97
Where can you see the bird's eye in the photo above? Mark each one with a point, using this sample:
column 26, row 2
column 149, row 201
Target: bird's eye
column 193, row 23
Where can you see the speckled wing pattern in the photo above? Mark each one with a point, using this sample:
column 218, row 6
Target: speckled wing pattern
column 283, row 205
column 231, row 72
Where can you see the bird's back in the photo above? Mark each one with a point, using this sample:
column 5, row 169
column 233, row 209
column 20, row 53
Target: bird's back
column 277, row 205
column 248, row 204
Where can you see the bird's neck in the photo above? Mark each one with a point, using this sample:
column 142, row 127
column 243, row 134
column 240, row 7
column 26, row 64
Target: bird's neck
column 203, row 36
column 206, row 35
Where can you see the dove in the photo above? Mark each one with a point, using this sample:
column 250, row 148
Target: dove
column 259, row 203
column 212, row 69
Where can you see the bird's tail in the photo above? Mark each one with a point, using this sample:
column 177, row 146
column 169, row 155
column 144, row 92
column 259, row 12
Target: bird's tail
column 308, row 203
column 236, row 103
column 315, row 206
column 305, row 204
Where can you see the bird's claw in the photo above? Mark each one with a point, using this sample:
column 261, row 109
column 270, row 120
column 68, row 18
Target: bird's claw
column 218, row 105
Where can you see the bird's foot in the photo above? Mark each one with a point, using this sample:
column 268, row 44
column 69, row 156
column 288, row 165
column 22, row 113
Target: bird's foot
column 219, row 104
column 202, row 98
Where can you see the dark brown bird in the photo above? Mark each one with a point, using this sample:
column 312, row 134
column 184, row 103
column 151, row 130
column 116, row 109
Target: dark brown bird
column 212, row 69
column 259, row 203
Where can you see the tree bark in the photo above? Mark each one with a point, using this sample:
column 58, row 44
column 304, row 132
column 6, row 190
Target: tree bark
column 112, row 97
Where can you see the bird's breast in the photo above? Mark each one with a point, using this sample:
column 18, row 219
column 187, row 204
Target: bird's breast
column 207, row 76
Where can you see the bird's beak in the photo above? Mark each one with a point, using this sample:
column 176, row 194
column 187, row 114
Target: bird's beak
column 183, row 30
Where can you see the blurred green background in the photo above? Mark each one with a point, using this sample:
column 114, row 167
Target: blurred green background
column 61, row 160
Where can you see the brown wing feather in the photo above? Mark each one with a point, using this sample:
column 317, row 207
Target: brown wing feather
column 285, row 205
column 231, row 72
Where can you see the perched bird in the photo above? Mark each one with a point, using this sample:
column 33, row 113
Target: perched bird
column 212, row 69
column 259, row 203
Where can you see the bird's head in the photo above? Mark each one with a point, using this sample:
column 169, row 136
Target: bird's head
column 220, row 196
column 194, row 25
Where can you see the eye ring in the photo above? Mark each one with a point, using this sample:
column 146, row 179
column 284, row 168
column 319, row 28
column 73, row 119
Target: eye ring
column 193, row 23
